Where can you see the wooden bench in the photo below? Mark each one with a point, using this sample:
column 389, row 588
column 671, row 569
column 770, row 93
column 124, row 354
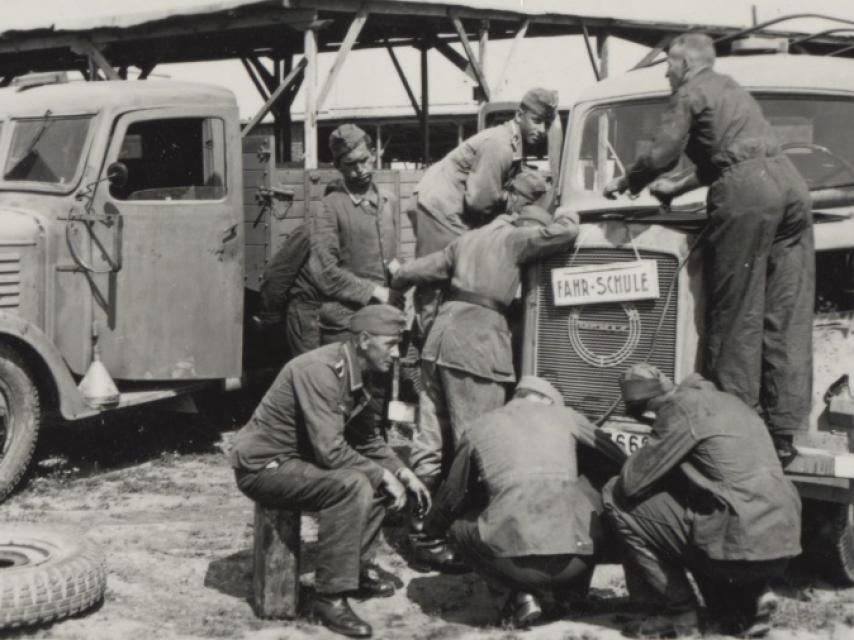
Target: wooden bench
column 275, row 574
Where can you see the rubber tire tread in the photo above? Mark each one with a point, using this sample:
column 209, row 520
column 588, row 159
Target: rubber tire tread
column 25, row 432
column 840, row 570
column 68, row 582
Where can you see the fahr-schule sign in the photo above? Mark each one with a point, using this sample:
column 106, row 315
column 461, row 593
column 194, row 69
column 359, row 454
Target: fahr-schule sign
column 614, row 282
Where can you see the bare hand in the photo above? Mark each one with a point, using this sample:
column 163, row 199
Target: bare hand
column 395, row 490
column 664, row 189
column 380, row 294
column 393, row 267
column 422, row 495
column 615, row 187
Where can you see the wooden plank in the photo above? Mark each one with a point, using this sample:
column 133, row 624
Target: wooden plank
column 288, row 81
column 255, row 233
column 309, row 136
column 85, row 47
column 353, row 32
column 406, row 86
column 475, row 65
column 520, row 35
column 275, row 576
column 255, row 257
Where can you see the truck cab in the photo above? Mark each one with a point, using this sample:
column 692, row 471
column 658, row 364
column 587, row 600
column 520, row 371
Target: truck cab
column 121, row 231
column 632, row 288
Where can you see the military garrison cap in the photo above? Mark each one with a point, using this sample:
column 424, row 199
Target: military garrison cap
column 346, row 138
column 643, row 381
column 529, row 184
column 378, row 319
column 541, row 386
column 541, row 102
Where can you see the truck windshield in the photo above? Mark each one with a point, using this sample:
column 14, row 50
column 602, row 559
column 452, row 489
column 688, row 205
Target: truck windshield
column 46, row 149
column 816, row 132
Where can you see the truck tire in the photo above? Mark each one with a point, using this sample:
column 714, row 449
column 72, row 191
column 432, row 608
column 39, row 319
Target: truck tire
column 828, row 540
column 46, row 575
column 20, row 418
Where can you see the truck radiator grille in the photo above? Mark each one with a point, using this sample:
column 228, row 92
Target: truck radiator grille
column 583, row 350
column 10, row 281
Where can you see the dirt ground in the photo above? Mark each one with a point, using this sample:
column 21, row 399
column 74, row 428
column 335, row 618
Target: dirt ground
column 155, row 492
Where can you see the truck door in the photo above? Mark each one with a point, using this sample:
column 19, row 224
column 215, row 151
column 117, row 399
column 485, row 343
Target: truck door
column 174, row 308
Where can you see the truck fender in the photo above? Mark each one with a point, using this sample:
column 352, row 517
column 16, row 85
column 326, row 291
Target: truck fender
column 34, row 342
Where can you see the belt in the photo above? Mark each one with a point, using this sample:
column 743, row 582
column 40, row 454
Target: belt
column 460, row 295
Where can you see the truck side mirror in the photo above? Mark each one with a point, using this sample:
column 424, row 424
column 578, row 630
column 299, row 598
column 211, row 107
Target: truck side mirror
column 117, row 174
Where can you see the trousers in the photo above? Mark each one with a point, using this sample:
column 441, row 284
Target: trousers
column 302, row 330
column 655, row 537
column 349, row 513
column 760, row 275
column 566, row 573
column 450, row 399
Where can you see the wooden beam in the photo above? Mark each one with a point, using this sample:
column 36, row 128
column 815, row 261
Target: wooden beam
column 253, row 75
column 655, row 51
column 85, row 47
column 425, row 107
column 274, row 97
column 270, row 80
column 404, row 81
column 593, row 62
column 453, row 57
column 310, row 119
column 349, row 40
column 520, row 35
column 483, row 43
column 602, row 49
column 145, row 69
column 478, row 72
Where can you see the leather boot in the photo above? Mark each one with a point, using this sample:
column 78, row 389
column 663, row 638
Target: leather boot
column 521, row 610
column 436, row 554
column 785, row 448
column 373, row 585
column 334, row 612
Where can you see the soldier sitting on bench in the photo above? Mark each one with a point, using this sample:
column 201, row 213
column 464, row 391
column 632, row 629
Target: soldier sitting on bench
column 300, row 450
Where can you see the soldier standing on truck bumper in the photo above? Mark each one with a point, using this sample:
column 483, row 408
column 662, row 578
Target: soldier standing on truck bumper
column 760, row 262
column 467, row 188
column 300, row 450
column 707, row 494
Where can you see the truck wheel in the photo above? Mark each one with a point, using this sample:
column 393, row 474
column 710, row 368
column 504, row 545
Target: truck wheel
column 20, row 417
column 828, row 540
column 46, row 575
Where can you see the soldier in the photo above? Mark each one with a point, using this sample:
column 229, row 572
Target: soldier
column 467, row 361
column 760, row 263
column 466, row 188
column 353, row 237
column 707, row 494
column 300, row 450
column 515, row 506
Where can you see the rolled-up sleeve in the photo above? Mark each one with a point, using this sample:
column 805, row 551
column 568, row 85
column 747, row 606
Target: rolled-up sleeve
column 484, row 193
column 669, row 143
column 317, row 389
column 325, row 260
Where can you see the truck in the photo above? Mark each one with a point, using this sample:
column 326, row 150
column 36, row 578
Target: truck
column 135, row 222
column 632, row 290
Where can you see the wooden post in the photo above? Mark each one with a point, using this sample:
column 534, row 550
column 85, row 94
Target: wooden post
column 602, row 51
column 310, row 121
column 275, row 576
column 425, row 106
column 520, row 35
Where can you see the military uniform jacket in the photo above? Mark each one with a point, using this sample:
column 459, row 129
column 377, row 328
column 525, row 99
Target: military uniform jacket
column 740, row 504
column 466, row 188
column 352, row 240
column 485, row 261
column 307, row 415
column 715, row 121
column 516, row 468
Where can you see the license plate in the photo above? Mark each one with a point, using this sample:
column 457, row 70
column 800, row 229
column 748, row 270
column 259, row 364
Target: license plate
column 613, row 282
column 628, row 442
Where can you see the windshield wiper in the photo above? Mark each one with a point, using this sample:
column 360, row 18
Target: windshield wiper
column 47, row 122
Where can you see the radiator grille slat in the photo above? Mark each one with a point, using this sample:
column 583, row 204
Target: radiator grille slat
column 604, row 331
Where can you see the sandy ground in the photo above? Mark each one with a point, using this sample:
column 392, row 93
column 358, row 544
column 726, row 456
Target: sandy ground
column 155, row 492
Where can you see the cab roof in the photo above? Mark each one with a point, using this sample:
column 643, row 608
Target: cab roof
column 769, row 72
column 118, row 95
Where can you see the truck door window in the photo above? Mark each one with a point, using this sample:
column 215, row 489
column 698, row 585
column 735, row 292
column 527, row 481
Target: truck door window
column 46, row 149
column 174, row 159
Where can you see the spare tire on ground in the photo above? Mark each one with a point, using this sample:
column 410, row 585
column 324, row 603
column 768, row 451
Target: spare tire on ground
column 46, row 574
